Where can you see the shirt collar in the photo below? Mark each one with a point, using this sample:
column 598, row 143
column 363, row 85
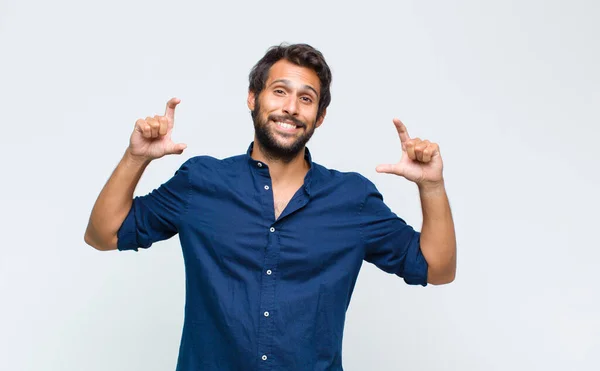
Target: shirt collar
column 260, row 164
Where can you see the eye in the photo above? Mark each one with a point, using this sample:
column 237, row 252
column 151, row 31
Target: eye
column 307, row 99
column 278, row 91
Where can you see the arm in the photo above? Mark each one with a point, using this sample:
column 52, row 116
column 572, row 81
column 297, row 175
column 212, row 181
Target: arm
column 421, row 163
column 114, row 202
column 151, row 139
column 438, row 240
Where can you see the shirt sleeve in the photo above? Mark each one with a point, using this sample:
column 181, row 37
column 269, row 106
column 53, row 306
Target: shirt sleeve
column 155, row 216
column 390, row 243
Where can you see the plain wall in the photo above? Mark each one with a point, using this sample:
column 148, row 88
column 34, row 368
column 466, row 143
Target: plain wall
column 510, row 90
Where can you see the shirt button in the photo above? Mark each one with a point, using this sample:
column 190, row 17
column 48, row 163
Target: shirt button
column 266, row 314
column 269, row 272
column 267, row 188
column 264, row 357
column 272, row 229
column 259, row 164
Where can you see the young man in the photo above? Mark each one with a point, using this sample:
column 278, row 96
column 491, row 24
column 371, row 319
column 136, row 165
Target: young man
column 273, row 242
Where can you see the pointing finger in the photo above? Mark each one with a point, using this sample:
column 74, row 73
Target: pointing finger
column 170, row 110
column 402, row 131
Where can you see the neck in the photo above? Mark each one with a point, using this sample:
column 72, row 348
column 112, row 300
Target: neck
column 282, row 171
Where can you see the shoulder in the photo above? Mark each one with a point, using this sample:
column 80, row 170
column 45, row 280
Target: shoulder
column 210, row 163
column 350, row 182
column 208, row 171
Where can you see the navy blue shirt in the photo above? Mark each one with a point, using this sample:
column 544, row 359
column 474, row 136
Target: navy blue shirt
column 267, row 294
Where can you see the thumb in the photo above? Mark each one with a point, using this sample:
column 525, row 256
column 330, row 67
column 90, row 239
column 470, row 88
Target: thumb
column 388, row 169
column 176, row 149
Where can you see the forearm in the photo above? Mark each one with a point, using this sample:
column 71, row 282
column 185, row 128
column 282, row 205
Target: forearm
column 438, row 240
column 114, row 202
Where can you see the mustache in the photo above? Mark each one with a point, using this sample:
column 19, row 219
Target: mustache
column 283, row 118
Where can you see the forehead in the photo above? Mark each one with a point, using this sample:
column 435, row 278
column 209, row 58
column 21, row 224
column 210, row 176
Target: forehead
column 298, row 75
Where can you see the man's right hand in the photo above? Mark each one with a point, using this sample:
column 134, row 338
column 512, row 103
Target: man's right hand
column 151, row 137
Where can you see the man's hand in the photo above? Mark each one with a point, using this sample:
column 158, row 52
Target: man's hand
column 151, row 138
column 420, row 161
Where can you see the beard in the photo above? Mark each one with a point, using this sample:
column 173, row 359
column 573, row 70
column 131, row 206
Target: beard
column 267, row 138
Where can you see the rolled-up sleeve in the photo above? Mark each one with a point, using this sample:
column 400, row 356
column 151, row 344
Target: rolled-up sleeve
column 156, row 216
column 390, row 243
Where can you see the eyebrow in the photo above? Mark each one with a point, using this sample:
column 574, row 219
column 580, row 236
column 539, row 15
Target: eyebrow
column 288, row 84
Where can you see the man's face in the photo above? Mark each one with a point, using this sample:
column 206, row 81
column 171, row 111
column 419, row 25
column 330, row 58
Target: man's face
column 285, row 112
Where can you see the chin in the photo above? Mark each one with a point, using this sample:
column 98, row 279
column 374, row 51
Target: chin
column 286, row 147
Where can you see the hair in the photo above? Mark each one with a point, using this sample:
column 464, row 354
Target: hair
column 302, row 55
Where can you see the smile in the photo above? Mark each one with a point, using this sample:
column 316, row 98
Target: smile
column 286, row 125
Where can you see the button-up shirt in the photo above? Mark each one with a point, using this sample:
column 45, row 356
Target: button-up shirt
column 265, row 293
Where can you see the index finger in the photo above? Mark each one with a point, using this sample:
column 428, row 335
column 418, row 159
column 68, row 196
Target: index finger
column 402, row 131
column 170, row 110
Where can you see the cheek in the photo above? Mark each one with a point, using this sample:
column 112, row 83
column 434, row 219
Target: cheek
column 310, row 115
column 270, row 103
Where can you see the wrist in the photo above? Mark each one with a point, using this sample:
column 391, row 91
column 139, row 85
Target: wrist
column 432, row 188
column 135, row 160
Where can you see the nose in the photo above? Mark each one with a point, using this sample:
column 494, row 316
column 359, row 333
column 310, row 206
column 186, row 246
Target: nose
column 290, row 106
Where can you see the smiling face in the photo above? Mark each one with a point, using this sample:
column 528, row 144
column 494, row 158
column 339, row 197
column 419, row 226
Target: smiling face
column 285, row 111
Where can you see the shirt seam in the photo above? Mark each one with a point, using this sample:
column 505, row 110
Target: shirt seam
column 361, row 224
column 189, row 194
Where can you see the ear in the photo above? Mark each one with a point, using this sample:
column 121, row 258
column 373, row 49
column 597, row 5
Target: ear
column 321, row 118
column 250, row 101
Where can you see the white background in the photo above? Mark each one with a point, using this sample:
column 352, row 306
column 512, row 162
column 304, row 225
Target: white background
column 510, row 90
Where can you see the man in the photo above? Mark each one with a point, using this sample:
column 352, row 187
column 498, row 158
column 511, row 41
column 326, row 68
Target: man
column 273, row 242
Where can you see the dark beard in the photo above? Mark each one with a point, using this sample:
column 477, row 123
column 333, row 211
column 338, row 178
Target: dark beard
column 273, row 150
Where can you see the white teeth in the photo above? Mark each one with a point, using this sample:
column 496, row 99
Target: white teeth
column 287, row 126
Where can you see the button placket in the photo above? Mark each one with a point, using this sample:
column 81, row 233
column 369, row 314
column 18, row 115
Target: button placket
column 266, row 329
column 267, row 326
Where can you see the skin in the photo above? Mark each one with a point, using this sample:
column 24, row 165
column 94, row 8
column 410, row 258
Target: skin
column 291, row 90
column 421, row 163
column 291, row 94
column 151, row 139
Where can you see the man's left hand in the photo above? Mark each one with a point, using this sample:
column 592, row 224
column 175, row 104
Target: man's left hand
column 420, row 162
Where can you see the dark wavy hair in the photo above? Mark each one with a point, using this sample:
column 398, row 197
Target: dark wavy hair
column 302, row 55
